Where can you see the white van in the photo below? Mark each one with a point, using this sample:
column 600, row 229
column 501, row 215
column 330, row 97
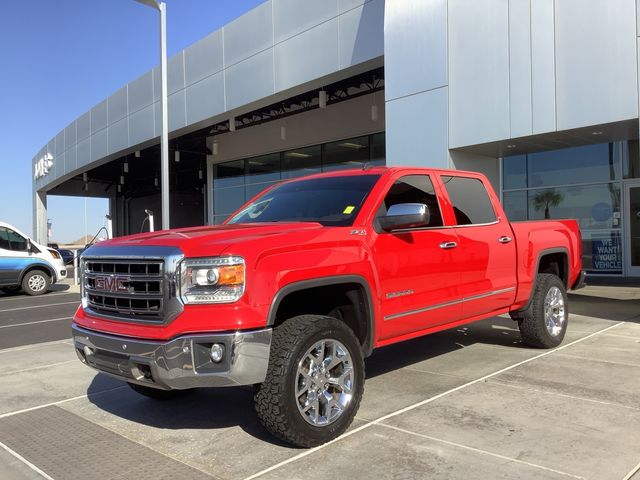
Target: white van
column 27, row 265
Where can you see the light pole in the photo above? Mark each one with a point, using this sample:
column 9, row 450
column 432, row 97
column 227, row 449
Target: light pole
column 164, row 137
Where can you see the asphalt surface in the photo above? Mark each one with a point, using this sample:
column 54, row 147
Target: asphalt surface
column 467, row 403
column 26, row 320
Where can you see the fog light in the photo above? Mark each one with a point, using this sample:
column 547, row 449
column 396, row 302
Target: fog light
column 217, row 352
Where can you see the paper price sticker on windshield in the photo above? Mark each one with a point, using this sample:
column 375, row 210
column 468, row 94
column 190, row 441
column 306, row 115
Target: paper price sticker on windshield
column 349, row 209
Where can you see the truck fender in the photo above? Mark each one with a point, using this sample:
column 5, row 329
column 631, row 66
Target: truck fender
column 323, row 282
column 541, row 254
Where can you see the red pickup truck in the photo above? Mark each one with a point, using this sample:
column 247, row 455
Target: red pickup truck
column 292, row 292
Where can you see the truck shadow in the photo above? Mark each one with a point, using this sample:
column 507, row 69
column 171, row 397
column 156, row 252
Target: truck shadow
column 199, row 409
column 223, row 408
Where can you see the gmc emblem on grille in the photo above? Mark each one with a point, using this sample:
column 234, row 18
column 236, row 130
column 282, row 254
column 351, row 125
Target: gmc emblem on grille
column 112, row 283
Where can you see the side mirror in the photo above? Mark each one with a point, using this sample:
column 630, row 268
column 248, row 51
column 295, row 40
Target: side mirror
column 405, row 215
column 29, row 246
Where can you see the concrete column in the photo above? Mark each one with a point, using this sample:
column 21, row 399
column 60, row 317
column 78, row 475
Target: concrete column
column 40, row 217
column 416, row 82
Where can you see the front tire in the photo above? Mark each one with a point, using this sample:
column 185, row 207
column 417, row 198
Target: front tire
column 36, row 282
column 314, row 382
column 544, row 323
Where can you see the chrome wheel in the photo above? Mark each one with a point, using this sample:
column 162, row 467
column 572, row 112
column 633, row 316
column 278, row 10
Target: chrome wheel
column 324, row 382
column 37, row 283
column 554, row 311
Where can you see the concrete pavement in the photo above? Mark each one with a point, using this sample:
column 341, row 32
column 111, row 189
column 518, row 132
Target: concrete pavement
column 465, row 403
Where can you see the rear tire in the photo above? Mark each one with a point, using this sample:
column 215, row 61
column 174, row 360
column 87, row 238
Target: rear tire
column 544, row 323
column 36, row 282
column 156, row 393
column 314, row 382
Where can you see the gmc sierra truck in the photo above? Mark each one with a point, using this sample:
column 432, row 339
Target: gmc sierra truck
column 294, row 290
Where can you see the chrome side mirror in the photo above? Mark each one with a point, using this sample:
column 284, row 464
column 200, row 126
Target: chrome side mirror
column 405, row 215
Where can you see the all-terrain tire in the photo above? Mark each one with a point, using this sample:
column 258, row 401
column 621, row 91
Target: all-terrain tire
column 533, row 321
column 156, row 393
column 275, row 399
column 36, row 282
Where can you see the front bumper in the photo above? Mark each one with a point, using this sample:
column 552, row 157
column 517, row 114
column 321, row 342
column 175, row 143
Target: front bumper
column 181, row 363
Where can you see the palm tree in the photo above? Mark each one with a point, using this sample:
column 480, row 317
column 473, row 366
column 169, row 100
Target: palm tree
column 546, row 199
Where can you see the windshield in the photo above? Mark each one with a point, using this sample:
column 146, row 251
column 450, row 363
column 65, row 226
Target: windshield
column 330, row 201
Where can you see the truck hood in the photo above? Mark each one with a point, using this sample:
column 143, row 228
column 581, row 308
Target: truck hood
column 213, row 240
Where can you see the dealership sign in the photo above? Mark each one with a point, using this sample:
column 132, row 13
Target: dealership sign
column 42, row 166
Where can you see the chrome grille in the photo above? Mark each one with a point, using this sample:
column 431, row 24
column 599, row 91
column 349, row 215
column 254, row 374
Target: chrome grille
column 125, row 288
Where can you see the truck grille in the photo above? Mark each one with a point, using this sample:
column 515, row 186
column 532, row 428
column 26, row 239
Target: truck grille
column 127, row 289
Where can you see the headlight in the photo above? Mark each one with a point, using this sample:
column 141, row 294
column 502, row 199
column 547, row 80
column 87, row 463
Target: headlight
column 212, row 280
column 54, row 253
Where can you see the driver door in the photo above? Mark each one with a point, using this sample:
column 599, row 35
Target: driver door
column 13, row 256
column 418, row 268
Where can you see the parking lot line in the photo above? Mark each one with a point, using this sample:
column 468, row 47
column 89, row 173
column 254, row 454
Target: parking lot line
column 38, row 306
column 425, row 402
column 34, row 345
column 37, row 368
column 633, row 471
column 25, row 461
column 60, row 402
column 4, row 299
column 573, row 397
column 35, row 322
column 483, row 452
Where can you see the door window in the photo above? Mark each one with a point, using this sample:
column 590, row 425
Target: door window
column 413, row 189
column 17, row 242
column 4, row 239
column 470, row 200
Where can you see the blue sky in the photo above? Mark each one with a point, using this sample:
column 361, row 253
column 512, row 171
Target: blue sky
column 60, row 58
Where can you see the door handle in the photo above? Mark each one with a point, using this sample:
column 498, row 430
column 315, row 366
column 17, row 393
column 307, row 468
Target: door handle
column 505, row 239
column 447, row 245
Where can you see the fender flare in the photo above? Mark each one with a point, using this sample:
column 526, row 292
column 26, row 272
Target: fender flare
column 324, row 282
column 542, row 253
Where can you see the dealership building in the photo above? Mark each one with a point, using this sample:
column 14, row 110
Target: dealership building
column 539, row 95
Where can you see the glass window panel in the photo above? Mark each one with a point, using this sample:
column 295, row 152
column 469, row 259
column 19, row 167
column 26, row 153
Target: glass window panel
column 228, row 200
column 413, row 189
column 330, row 201
column 378, row 149
column 229, row 174
column 470, row 200
column 515, row 205
column 514, row 172
column 4, row 239
column 263, row 169
column 602, row 252
column 301, row 161
column 351, row 153
column 594, row 206
column 591, row 163
column 218, row 219
column 631, row 159
column 18, row 242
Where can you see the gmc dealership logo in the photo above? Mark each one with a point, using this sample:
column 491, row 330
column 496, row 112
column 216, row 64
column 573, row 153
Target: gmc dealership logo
column 112, row 283
column 42, row 166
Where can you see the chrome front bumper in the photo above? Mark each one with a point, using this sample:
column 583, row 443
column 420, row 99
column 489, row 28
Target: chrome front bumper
column 181, row 363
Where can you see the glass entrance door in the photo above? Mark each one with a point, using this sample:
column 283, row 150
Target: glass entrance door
column 632, row 200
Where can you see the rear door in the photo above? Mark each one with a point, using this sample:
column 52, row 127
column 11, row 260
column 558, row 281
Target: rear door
column 418, row 274
column 485, row 244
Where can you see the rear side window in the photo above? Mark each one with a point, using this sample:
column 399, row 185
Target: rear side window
column 4, row 239
column 413, row 189
column 470, row 200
